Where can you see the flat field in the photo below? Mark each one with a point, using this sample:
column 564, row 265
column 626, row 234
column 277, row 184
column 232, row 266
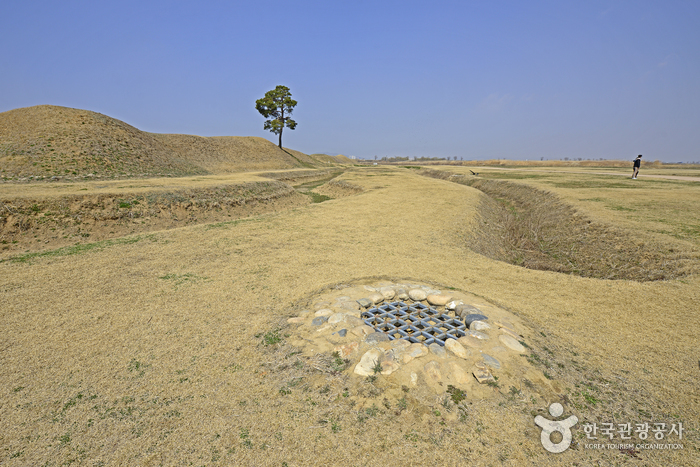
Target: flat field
column 173, row 347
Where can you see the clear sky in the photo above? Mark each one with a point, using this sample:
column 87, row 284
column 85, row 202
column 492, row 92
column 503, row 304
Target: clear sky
column 472, row 79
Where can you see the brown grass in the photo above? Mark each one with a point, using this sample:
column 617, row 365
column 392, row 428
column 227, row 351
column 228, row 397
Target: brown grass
column 51, row 216
column 339, row 188
column 41, row 142
column 533, row 228
column 607, row 163
column 225, row 154
column 297, row 176
column 331, row 160
column 343, row 159
column 49, row 141
column 152, row 351
column 34, row 224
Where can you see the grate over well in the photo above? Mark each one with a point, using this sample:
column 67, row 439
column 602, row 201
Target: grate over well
column 415, row 323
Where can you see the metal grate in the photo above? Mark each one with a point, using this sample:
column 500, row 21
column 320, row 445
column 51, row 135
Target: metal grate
column 415, row 323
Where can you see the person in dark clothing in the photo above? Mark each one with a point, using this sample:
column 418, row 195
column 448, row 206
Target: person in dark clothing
column 637, row 164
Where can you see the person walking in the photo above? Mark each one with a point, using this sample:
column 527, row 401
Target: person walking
column 635, row 168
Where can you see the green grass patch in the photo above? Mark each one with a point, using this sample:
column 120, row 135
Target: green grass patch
column 318, row 198
column 338, row 364
column 179, row 279
column 620, row 208
column 457, row 395
column 589, row 398
column 76, row 249
column 372, row 411
column 224, row 224
column 271, row 338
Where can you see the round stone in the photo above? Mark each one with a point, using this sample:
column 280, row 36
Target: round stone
column 478, row 326
column 370, row 289
column 511, row 343
column 365, row 302
column 437, row 349
column 368, row 362
column 376, row 297
column 324, row 312
column 463, row 309
column 415, row 350
column 387, row 292
column 470, row 318
column 457, row 348
column 417, row 295
column 350, row 306
column 458, row 374
column 319, row 320
column 376, row 337
column 478, row 335
column 336, row 318
column 401, row 294
column 490, row 361
column 438, row 300
column 400, row 343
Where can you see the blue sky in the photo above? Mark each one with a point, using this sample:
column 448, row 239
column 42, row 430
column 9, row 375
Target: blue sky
column 471, row 79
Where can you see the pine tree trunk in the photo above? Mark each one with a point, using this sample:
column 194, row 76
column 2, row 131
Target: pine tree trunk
column 281, row 126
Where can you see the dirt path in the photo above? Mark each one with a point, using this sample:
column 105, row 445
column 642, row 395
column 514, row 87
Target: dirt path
column 152, row 352
column 54, row 189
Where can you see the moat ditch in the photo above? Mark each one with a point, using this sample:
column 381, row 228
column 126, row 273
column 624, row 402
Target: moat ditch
column 533, row 228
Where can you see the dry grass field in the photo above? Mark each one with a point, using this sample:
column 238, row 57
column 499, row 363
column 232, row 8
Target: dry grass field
column 48, row 142
column 44, row 216
column 172, row 346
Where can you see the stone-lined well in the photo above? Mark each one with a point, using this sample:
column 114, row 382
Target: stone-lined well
column 416, row 335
